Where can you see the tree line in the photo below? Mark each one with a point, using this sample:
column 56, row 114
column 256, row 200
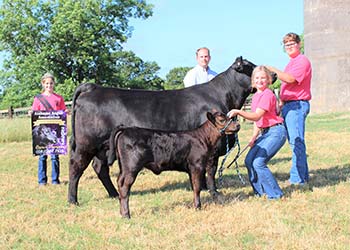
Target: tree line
column 77, row 41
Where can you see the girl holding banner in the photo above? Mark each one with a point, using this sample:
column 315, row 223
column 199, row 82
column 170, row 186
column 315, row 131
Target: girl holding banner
column 48, row 101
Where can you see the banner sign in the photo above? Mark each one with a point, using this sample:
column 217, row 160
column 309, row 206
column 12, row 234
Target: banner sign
column 49, row 132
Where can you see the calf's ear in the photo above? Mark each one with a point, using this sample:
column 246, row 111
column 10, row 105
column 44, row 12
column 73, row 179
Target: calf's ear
column 211, row 117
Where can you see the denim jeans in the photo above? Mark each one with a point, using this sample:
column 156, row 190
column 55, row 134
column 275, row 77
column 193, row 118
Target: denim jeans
column 265, row 147
column 294, row 114
column 42, row 167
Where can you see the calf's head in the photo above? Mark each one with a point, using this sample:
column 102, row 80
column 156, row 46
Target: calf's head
column 224, row 124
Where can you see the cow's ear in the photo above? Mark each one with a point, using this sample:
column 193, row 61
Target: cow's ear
column 211, row 117
column 238, row 65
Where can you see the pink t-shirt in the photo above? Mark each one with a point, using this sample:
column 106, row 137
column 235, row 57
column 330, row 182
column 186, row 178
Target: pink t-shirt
column 56, row 101
column 300, row 68
column 267, row 101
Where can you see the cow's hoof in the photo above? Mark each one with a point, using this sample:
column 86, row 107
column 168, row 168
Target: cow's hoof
column 73, row 203
column 126, row 216
column 198, row 207
column 114, row 196
column 214, row 193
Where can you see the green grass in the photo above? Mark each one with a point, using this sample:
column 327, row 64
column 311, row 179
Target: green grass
column 19, row 129
column 161, row 206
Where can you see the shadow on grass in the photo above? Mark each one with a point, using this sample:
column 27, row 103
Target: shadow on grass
column 319, row 178
column 184, row 185
column 330, row 176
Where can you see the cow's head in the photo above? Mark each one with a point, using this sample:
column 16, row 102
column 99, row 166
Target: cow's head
column 243, row 66
column 224, row 124
column 246, row 67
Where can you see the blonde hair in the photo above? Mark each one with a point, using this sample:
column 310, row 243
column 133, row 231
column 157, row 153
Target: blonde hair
column 259, row 69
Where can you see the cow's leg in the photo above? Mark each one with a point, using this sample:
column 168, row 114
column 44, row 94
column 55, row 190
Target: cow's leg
column 190, row 177
column 197, row 176
column 102, row 170
column 125, row 181
column 77, row 164
column 211, row 171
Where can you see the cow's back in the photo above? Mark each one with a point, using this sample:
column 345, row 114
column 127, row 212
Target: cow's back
column 98, row 111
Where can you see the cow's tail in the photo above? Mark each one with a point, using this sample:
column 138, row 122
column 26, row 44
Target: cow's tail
column 86, row 87
column 113, row 141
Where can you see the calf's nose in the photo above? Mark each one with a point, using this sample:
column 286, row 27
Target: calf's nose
column 238, row 126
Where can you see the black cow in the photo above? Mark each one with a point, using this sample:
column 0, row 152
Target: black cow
column 97, row 110
column 188, row 151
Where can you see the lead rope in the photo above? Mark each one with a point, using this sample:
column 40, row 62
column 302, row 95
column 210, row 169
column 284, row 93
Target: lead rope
column 228, row 151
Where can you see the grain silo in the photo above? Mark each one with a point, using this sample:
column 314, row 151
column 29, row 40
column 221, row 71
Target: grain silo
column 327, row 45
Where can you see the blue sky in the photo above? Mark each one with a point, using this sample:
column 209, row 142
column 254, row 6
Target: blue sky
column 229, row 28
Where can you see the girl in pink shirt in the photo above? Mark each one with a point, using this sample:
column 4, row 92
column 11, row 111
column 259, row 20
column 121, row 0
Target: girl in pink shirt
column 48, row 101
column 269, row 135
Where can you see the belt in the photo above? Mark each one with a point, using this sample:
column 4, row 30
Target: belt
column 265, row 130
column 295, row 101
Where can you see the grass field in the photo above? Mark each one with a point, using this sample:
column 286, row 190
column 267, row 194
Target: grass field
column 317, row 217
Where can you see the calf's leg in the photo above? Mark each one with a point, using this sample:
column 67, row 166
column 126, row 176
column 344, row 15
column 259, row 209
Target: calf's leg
column 197, row 177
column 211, row 171
column 125, row 181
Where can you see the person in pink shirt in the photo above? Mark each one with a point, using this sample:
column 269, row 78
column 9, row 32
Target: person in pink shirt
column 295, row 95
column 48, row 101
column 269, row 135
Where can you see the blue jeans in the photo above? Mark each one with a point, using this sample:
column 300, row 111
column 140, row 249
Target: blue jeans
column 294, row 114
column 42, row 167
column 265, row 147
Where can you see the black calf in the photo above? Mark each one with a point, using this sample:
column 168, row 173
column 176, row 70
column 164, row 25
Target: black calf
column 188, row 151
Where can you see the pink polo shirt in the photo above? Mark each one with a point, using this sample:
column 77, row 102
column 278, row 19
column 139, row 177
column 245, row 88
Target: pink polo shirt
column 300, row 68
column 56, row 101
column 267, row 101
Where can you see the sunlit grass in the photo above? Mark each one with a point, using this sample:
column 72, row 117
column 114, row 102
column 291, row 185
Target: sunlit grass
column 163, row 217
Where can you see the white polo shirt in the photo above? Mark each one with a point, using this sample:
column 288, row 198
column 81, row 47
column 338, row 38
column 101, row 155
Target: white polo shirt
column 198, row 75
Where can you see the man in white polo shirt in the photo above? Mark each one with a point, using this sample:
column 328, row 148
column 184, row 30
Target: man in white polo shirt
column 201, row 73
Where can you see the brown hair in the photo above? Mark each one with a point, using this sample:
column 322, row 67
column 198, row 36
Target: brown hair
column 291, row 37
column 201, row 49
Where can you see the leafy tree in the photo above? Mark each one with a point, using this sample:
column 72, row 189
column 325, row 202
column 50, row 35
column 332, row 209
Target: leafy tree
column 302, row 43
column 133, row 73
column 174, row 79
column 77, row 41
